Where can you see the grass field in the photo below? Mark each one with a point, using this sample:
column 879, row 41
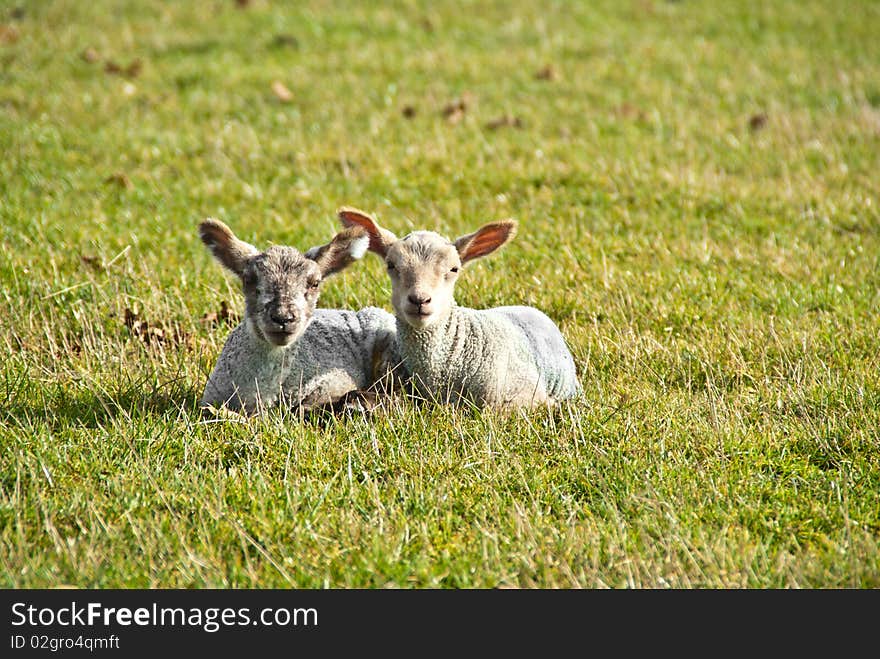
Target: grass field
column 697, row 189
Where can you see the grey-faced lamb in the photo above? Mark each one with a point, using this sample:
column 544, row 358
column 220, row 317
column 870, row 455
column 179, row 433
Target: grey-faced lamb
column 286, row 351
column 505, row 357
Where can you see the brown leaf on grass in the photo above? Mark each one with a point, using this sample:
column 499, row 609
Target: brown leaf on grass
column 454, row 116
column 9, row 34
column 408, row 111
column 428, row 25
column 226, row 314
column 181, row 337
column 628, row 111
column 131, row 317
column 119, row 179
column 223, row 316
column 90, row 55
column 133, row 70
column 285, row 41
column 242, row 4
column 458, row 105
column 281, row 92
column 209, row 319
column 547, row 73
column 153, row 335
column 134, row 323
column 454, row 110
column 758, row 121
column 506, row 120
column 92, row 262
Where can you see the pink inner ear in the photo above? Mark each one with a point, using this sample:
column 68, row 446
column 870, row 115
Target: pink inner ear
column 213, row 235
column 486, row 241
column 376, row 243
column 352, row 218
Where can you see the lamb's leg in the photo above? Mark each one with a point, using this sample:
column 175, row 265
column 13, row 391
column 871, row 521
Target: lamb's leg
column 327, row 388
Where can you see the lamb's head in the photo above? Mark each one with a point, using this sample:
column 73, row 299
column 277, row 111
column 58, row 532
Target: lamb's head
column 424, row 266
column 281, row 285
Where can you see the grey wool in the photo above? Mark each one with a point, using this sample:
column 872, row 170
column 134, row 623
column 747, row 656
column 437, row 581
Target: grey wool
column 286, row 351
column 505, row 357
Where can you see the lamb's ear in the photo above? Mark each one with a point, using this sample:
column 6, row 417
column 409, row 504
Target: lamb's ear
column 380, row 239
column 485, row 240
column 229, row 250
column 346, row 247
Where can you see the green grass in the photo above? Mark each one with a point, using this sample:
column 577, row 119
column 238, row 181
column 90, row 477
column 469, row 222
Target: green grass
column 719, row 286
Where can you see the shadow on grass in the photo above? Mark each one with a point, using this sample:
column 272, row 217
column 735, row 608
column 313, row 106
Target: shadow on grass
column 61, row 407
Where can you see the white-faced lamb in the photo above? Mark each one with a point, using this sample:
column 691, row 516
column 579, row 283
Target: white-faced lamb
column 505, row 357
column 286, row 351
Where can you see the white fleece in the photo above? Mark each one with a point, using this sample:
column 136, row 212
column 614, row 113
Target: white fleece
column 339, row 351
column 502, row 357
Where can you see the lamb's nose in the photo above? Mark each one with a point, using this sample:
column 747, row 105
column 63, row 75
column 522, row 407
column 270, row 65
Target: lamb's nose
column 418, row 300
column 282, row 320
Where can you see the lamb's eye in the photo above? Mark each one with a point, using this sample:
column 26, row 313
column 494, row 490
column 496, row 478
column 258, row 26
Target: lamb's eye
column 453, row 269
column 390, row 266
column 313, row 284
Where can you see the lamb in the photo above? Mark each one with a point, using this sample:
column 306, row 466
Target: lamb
column 506, row 357
column 285, row 351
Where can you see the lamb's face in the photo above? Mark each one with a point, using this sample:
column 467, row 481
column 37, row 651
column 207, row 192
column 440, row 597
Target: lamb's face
column 281, row 285
column 423, row 268
column 281, row 290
